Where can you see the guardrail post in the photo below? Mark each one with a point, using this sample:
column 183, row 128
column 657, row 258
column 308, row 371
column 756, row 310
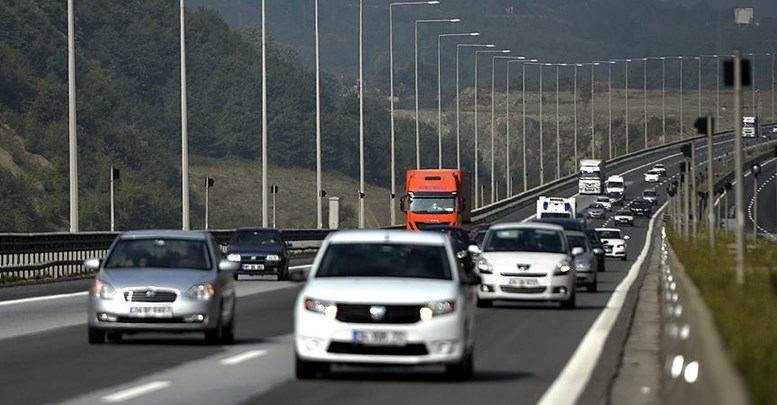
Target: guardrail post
column 334, row 212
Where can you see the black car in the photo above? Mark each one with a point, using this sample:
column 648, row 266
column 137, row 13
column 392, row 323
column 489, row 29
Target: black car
column 596, row 243
column 461, row 240
column 616, row 198
column 642, row 207
column 259, row 251
column 568, row 224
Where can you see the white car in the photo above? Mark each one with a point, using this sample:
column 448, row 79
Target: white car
column 604, row 200
column 386, row 298
column 615, row 242
column 652, row 176
column 660, row 168
column 527, row 261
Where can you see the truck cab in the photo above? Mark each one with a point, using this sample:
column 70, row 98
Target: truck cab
column 436, row 197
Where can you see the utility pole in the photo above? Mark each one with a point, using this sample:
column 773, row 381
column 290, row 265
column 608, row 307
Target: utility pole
column 739, row 191
column 710, row 181
column 72, row 138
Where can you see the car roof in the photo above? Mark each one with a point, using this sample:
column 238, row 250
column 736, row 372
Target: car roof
column 251, row 229
column 566, row 223
column 387, row 236
column 579, row 234
column 529, row 225
column 165, row 234
column 608, row 229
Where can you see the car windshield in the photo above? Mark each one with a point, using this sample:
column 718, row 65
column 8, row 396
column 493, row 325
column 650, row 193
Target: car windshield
column 426, row 205
column 525, row 240
column 159, row 253
column 596, row 206
column 578, row 241
column 256, row 237
column 384, row 260
column 623, row 212
column 602, row 199
column 649, row 193
column 615, row 184
column 610, row 234
column 593, row 237
column 641, row 203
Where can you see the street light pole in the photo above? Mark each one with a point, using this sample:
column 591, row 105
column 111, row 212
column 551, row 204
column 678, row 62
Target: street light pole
column 627, row 105
column 574, row 107
column 361, row 113
column 508, row 178
column 644, row 85
column 493, row 121
column 663, row 100
column 593, row 121
column 439, row 90
column 264, row 117
column 417, row 117
column 681, row 97
column 184, row 129
column 458, row 105
column 391, row 101
column 319, row 212
column 72, row 135
column 523, row 130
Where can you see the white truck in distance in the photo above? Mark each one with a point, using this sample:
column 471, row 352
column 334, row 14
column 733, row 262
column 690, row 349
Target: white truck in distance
column 749, row 126
column 615, row 184
column 555, row 207
column 591, row 177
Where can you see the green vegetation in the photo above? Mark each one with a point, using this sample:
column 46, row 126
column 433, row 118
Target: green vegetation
column 746, row 316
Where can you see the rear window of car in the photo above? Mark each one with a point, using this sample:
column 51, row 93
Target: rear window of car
column 160, row 253
column 525, row 240
column 385, row 260
column 609, row 234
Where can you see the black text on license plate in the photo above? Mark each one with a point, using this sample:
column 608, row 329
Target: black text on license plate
column 165, row 311
column 252, row 266
column 524, row 282
column 379, row 337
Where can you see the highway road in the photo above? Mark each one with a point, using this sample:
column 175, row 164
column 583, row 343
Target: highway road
column 522, row 349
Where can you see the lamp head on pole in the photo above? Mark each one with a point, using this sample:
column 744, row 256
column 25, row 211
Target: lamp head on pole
column 454, row 20
column 433, row 2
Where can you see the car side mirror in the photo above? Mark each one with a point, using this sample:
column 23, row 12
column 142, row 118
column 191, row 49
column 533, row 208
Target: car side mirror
column 462, row 254
column 598, row 251
column 402, row 204
column 92, row 264
column 228, row 265
column 577, row 251
column 626, row 237
column 474, row 250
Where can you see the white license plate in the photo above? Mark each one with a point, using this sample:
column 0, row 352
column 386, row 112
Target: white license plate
column 160, row 311
column 251, row 266
column 523, row 282
column 379, row 337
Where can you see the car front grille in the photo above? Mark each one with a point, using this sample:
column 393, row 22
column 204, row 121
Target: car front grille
column 424, row 225
column 523, row 290
column 412, row 349
column 149, row 295
column 360, row 313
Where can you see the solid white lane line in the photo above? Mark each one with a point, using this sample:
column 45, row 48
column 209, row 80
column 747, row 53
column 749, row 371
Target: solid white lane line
column 242, row 357
column 135, row 392
column 43, row 298
column 569, row 385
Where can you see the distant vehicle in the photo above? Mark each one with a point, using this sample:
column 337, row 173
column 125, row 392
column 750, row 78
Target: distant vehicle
column 162, row 281
column 624, row 216
column 642, row 207
column 437, row 197
column 592, row 176
column 461, row 243
column 651, row 195
column 652, row 176
column 385, row 297
column 568, row 224
column 259, row 251
column 593, row 239
column 615, row 184
column 616, row 198
column 605, row 201
column 596, row 211
column 586, row 263
column 555, row 207
column 527, row 261
column 749, row 125
column 660, row 168
column 615, row 242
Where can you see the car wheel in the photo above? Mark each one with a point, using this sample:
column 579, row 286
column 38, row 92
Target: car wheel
column 96, row 336
column 306, row 370
column 570, row 303
column 215, row 336
column 228, row 330
column 593, row 287
column 283, row 272
column 463, row 369
column 624, row 258
column 485, row 303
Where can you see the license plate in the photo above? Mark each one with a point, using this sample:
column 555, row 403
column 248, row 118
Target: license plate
column 162, row 311
column 251, row 266
column 523, row 282
column 380, row 338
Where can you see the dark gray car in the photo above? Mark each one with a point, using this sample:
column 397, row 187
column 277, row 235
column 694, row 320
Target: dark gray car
column 587, row 263
column 596, row 211
column 162, row 281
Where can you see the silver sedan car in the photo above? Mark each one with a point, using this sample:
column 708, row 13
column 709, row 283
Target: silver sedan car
column 162, row 281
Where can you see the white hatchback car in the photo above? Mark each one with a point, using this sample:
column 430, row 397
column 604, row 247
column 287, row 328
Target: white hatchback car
column 652, row 176
column 527, row 261
column 604, row 200
column 615, row 242
column 387, row 298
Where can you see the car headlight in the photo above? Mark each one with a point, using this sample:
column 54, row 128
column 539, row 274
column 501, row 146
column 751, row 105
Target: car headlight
column 622, row 246
column 484, row 266
column 102, row 289
column 582, row 266
column 563, row 267
column 233, row 257
column 203, row 292
column 273, row 258
column 436, row 308
column 326, row 308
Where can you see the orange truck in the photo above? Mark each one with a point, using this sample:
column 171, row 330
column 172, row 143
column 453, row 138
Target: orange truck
column 436, row 197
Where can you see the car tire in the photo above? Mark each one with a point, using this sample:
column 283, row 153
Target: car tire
column 228, row 330
column 96, row 336
column 463, row 369
column 307, row 370
column 485, row 303
column 624, row 258
column 283, row 272
column 216, row 335
column 570, row 303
